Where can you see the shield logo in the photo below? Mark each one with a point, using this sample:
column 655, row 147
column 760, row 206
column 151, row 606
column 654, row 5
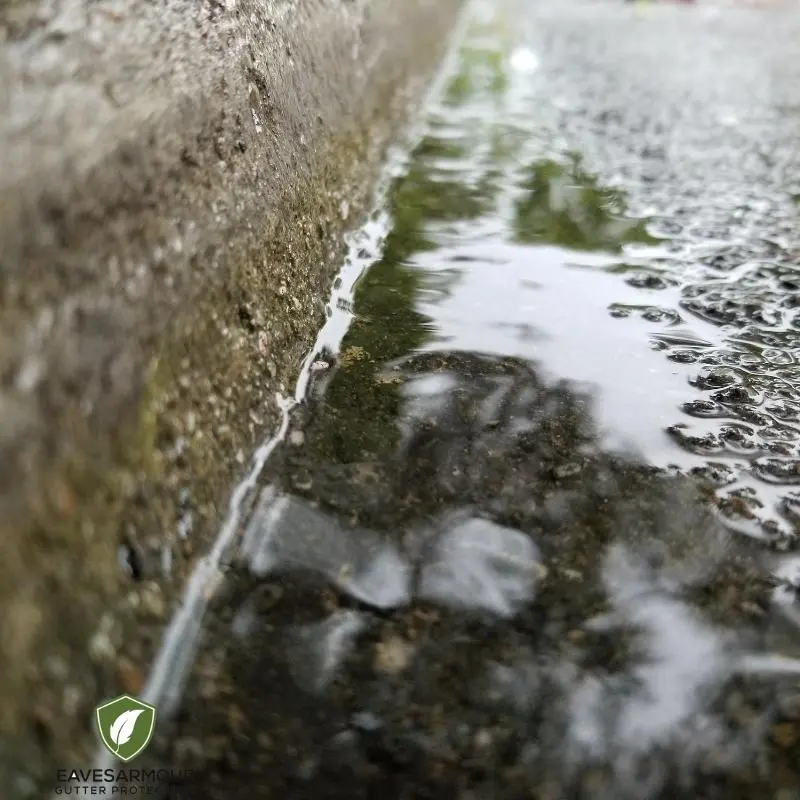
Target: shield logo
column 126, row 726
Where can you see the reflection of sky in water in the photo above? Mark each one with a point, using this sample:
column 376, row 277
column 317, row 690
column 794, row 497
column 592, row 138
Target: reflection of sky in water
column 678, row 665
column 285, row 533
column 552, row 306
column 680, row 657
column 495, row 300
column 316, row 651
column 470, row 563
column 477, row 564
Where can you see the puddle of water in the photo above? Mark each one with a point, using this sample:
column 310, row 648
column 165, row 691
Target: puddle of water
column 482, row 564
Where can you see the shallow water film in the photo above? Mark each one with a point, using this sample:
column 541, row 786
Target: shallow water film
column 529, row 532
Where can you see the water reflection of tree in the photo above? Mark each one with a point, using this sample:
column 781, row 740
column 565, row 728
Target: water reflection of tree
column 563, row 205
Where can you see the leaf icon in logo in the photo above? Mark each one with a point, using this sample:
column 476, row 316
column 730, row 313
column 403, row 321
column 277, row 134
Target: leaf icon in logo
column 122, row 728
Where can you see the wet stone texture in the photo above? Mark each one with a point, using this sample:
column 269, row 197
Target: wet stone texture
column 531, row 531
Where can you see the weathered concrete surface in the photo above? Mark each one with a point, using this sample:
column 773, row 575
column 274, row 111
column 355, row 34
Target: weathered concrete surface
column 173, row 179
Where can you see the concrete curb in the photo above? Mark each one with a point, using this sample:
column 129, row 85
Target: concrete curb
column 174, row 182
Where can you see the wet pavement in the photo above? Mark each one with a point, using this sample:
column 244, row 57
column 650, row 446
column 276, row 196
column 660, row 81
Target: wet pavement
column 529, row 531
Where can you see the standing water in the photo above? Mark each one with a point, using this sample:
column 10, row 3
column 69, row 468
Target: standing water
column 527, row 533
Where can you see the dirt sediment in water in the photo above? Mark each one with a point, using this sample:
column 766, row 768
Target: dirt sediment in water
column 174, row 183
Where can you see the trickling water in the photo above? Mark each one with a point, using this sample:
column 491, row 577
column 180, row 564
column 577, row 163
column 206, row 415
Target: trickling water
column 518, row 539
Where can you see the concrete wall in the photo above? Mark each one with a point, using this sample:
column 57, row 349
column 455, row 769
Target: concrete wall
column 173, row 178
